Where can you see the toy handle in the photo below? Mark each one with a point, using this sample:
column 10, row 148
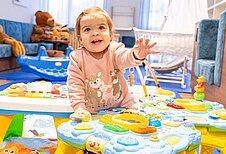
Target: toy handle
column 152, row 73
column 68, row 51
column 142, row 81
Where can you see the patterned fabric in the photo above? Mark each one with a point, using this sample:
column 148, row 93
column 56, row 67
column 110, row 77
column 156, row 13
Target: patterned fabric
column 31, row 48
column 205, row 67
column 2, row 22
column 207, row 33
column 21, row 32
column 27, row 30
column 210, row 49
column 220, row 49
column 5, row 50
column 13, row 29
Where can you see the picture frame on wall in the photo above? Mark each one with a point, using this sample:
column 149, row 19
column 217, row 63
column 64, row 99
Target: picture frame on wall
column 22, row 3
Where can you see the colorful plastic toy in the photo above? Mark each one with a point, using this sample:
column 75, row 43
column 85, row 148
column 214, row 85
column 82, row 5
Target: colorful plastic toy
column 127, row 133
column 37, row 89
column 159, row 91
column 50, row 68
column 199, row 88
column 191, row 105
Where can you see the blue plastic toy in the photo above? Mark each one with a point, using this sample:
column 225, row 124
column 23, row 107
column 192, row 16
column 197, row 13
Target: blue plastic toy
column 49, row 68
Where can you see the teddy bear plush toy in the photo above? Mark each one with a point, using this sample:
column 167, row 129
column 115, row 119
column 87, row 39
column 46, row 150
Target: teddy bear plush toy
column 47, row 29
column 44, row 19
column 17, row 46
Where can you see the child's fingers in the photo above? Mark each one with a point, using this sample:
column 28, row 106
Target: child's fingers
column 153, row 52
column 139, row 40
column 147, row 41
column 151, row 45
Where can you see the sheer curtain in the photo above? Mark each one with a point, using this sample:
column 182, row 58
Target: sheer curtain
column 183, row 14
column 172, row 15
column 65, row 12
column 153, row 13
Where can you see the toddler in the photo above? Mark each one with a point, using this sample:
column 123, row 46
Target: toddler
column 95, row 72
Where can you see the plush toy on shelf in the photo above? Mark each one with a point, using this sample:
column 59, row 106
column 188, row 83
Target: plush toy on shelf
column 17, row 46
column 46, row 29
column 199, row 89
column 45, row 19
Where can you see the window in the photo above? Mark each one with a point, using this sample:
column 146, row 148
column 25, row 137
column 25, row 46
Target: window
column 65, row 12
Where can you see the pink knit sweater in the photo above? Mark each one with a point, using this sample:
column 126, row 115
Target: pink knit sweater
column 96, row 84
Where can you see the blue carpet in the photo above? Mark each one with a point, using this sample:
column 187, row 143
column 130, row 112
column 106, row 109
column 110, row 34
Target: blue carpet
column 176, row 87
column 20, row 76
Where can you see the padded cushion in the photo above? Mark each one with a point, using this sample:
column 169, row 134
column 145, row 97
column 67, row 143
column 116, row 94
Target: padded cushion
column 2, row 22
column 31, row 48
column 207, row 33
column 5, row 50
column 220, row 49
column 13, row 29
column 205, row 67
column 27, row 30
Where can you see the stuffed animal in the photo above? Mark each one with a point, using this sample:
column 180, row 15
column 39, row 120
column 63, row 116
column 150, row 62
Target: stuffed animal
column 45, row 19
column 47, row 29
column 17, row 46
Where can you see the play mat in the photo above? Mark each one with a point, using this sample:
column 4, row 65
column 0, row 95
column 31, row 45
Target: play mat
column 164, row 124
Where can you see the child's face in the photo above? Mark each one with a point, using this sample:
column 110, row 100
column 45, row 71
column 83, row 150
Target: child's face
column 94, row 33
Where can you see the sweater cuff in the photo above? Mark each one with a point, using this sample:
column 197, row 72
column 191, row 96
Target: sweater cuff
column 135, row 57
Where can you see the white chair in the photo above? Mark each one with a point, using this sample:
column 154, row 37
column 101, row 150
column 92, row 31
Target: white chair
column 168, row 43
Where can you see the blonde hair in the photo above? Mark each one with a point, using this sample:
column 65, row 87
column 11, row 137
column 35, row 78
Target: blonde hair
column 93, row 10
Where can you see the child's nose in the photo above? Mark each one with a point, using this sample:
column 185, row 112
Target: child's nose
column 95, row 33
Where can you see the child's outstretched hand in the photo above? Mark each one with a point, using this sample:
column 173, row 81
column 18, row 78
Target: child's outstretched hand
column 81, row 115
column 143, row 47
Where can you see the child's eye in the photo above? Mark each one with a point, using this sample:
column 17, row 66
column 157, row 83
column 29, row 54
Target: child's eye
column 87, row 30
column 101, row 27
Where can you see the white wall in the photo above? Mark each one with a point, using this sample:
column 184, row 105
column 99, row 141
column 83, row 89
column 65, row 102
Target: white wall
column 10, row 11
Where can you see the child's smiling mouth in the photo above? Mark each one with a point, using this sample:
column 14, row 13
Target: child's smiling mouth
column 96, row 41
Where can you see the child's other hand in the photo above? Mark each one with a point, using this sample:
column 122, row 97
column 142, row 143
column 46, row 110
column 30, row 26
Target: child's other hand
column 143, row 47
column 81, row 115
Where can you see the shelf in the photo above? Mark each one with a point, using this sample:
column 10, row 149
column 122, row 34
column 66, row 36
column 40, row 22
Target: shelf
column 215, row 8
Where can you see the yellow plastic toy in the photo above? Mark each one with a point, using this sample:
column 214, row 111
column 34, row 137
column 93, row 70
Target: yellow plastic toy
column 199, row 88
column 220, row 113
column 191, row 105
column 130, row 121
column 127, row 120
column 159, row 91
column 162, row 92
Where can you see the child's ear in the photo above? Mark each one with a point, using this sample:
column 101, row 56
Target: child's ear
column 79, row 39
column 111, row 36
